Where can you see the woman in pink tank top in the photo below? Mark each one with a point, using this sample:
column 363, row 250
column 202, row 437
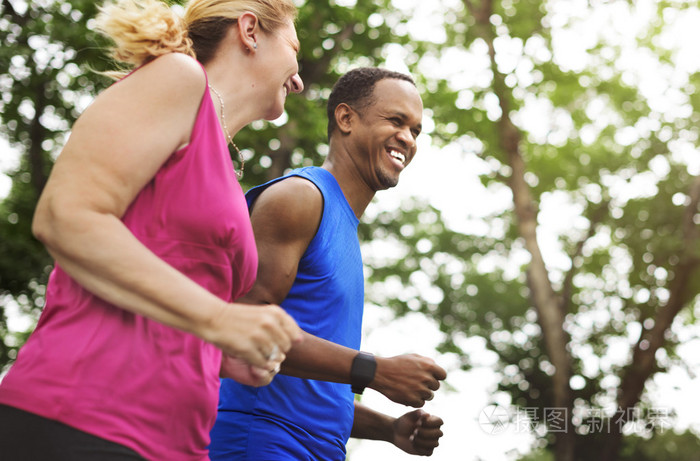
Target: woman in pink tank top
column 147, row 223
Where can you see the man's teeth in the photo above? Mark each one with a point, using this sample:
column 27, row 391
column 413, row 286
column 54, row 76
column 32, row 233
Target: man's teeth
column 398, row 156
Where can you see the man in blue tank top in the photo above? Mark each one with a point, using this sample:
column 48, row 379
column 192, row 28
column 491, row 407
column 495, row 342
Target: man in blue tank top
column 305, row 225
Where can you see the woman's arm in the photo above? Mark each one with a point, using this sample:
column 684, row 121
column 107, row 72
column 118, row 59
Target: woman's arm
column 116, row 147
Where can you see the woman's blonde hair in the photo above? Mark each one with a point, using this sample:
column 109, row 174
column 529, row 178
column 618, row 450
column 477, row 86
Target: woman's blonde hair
column 142, row 30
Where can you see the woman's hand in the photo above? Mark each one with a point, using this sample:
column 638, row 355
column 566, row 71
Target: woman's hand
column 260, row 335
column 244, row 373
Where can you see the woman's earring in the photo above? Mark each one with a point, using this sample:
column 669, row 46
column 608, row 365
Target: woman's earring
column 255, row 45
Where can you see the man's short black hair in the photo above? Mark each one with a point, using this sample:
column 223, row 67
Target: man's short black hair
column 356, row 90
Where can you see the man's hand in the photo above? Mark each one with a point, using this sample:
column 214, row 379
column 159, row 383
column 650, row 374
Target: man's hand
column 408, row 379
column 417, row 432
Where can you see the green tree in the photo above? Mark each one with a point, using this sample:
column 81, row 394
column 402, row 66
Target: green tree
column 666, row 445
column 45, row 54
column 627, row 263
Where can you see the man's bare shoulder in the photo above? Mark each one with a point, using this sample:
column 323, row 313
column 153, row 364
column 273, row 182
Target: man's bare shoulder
column 293, row 205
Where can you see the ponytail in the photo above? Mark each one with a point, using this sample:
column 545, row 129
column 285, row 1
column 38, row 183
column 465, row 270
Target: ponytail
column 141, row 31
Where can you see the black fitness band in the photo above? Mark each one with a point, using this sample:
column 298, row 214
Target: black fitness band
column 362, row 372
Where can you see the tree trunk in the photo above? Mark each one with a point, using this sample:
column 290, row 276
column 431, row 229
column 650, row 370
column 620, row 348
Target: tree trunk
column 549, row 312
column 37, row 132
column 281, row 160
column 37, row 135
column 546, row 302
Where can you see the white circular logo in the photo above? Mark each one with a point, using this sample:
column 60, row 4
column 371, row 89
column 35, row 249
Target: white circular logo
column 494, row 419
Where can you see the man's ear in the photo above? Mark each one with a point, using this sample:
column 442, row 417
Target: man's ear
column 248, row 31
column 345, row 116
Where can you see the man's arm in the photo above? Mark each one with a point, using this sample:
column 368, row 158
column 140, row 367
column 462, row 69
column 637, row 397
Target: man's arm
column 285, row 218
column 408, row 379
column 416, row 432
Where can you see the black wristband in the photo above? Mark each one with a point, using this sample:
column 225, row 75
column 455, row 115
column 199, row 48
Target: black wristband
column 362, row 372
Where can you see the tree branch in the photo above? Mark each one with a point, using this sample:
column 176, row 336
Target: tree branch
column 690, row 227
column 644, row 355
column 470, row 6
column 643, row 364
column 567, row 285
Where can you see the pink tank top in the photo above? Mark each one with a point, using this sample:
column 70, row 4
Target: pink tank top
column 121, row 376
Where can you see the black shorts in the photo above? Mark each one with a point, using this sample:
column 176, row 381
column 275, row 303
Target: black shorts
column 25, row 436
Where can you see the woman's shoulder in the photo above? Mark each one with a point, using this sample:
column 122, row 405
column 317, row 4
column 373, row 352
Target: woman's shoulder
column 176, row 70
column 169, row 88
column 179, row 61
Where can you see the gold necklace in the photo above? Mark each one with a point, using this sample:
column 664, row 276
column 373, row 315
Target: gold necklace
column 230, row 140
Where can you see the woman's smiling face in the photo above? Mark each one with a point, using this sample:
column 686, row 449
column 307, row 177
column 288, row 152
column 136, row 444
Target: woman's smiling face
column 280, row 70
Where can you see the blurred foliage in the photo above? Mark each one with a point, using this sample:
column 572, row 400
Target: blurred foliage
column 661, row 445
column 667, row 445
column 46, row 52
column 607, row 153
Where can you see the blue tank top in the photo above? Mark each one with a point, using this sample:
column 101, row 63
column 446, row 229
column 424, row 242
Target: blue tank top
column 327, row 301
